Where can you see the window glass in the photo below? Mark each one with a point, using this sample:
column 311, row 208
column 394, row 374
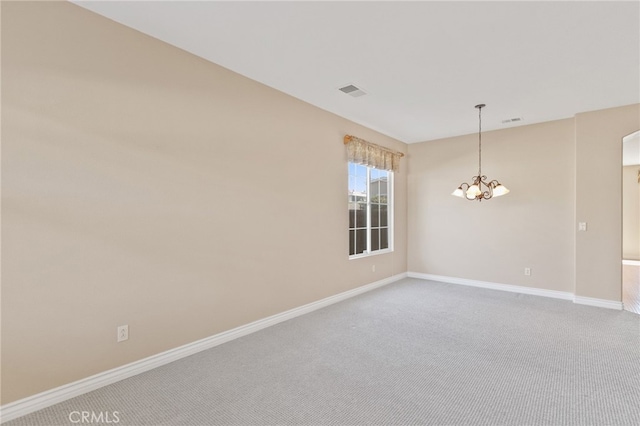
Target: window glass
column 369, row 209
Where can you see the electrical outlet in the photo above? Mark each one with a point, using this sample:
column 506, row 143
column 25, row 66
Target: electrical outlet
column 373, row 268
column 123, row 333
column 527, row 271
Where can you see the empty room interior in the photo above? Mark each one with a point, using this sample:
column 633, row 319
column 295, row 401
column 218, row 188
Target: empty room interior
column 259, row 213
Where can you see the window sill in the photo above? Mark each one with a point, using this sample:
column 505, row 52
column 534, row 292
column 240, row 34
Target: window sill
column 375, row 253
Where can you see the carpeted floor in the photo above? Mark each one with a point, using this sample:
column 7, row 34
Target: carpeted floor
column 411, row 353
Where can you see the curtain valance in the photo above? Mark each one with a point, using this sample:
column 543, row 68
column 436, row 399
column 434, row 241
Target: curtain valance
column 362, row 152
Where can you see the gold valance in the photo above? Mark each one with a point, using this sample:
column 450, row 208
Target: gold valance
column 362, row 152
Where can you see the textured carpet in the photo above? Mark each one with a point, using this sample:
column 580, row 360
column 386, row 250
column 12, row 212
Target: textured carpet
column 414, row 352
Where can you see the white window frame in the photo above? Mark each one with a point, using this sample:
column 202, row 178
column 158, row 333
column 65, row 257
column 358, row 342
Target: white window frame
column 390, row 219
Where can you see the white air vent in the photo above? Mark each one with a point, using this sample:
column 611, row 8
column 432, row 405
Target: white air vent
column 512, row 120
column 352, row 90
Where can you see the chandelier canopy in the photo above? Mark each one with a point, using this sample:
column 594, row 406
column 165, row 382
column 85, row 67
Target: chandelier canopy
column 480, row 189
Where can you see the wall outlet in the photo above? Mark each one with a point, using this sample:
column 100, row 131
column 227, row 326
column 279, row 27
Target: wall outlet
column 123, row 333
column 373, row 268
column 527, row 271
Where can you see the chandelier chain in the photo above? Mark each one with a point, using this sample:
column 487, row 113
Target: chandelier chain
column 480, row 140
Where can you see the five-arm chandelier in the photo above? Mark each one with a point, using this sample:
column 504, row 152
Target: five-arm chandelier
column 476, row 190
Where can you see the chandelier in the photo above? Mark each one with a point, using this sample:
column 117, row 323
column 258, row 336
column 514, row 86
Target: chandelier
column 476, row 190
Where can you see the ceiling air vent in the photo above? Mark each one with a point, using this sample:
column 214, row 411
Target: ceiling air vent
column 511, row 120
column 352, row 90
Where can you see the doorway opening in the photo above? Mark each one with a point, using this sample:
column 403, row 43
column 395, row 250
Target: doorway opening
column 631, row 222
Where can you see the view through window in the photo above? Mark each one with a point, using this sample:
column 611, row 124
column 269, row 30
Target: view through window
column 369, row 210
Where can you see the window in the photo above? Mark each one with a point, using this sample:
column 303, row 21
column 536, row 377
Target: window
column 370, row 210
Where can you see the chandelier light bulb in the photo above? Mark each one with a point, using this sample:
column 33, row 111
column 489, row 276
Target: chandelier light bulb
column 458, row 192
column 500, row 190
column 473, row 192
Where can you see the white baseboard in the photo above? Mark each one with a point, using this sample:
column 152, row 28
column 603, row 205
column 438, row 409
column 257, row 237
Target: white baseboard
column 48, row 398
column 600, row 303
column 631, row 262
column 494, row 286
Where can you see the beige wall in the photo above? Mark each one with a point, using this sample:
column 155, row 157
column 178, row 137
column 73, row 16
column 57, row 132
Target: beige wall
column 599, row 199
column 630, row 213
column 142, row 185
column 560, row 173
column 495, row 240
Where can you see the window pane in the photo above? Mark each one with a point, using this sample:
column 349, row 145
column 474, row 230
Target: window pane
column 357, row 241
column 374, row 187
column 352, row 216
column 384, row 238
column 375, row 239
column 360, row 241
column 375, row 215
column 378, row 188
column 383, row 187
column 384, row 216
column 361, row 215
column 352, row 243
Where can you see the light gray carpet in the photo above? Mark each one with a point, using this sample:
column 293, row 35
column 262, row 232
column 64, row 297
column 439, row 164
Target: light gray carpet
column 414, row 352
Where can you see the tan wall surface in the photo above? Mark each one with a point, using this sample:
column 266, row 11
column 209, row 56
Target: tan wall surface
column 579, row 159
column 599, row 199
column 630, row 213
column 494, row 240
column 142, row 185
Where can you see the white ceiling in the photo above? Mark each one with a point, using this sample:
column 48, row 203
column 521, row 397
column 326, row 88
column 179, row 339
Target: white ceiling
column 423, row 64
